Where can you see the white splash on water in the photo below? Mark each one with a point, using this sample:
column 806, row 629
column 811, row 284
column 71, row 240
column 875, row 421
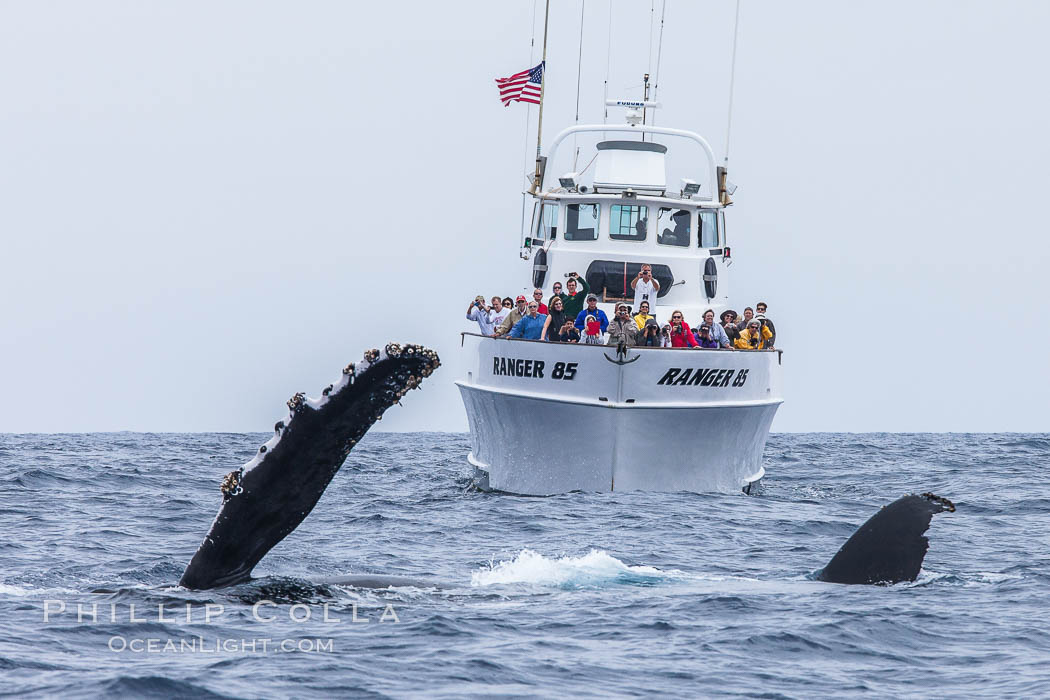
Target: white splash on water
column 592, row 569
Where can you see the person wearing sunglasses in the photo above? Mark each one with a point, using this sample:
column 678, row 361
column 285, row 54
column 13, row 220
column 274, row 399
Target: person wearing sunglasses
column 681, row 336
column 643, row 315
column 530, row 326
column 556, row 320
column 754, row 337
column 537, row 295
column 591, row 310
column 760, row 314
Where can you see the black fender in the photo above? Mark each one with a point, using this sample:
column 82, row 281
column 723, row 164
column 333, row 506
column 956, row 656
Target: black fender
column 540, row 263
column 710, row 278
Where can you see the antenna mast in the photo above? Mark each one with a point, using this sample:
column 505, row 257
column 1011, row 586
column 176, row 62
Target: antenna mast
column 723, row 171
column 537, row 177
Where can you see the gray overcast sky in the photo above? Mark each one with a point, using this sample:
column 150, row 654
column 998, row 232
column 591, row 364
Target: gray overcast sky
column 205, row 207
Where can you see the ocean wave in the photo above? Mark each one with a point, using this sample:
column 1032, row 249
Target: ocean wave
column 594, row 569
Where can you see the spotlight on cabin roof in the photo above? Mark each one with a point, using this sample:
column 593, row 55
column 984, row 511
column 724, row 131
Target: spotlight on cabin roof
column 568, row 180
column 689, row 187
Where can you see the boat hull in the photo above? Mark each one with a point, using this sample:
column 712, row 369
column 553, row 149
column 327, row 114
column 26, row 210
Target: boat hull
column 654, row 419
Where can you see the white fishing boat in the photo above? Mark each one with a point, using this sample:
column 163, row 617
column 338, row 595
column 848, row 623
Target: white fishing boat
column 551, row 417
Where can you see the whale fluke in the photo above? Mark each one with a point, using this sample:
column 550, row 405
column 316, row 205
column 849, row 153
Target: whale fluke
column 890, row 546
column 267, row 498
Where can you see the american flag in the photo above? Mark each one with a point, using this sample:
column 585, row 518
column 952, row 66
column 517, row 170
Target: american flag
column 521, row 87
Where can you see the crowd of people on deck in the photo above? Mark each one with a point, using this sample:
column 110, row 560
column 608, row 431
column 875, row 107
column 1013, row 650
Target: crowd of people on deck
column 573, row 316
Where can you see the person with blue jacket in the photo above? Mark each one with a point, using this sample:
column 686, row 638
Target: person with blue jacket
column 592, row 310
column 530, row 327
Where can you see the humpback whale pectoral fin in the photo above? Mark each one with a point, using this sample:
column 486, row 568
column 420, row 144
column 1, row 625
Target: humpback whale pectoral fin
column 890, row 546
column 266, row 499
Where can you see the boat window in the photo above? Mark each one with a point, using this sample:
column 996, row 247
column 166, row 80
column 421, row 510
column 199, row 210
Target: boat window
column 627, row 222
column 547, row 229
column 581, row 222
column 708, row 229
column 673, row 227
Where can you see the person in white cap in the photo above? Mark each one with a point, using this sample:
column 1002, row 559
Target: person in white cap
column 622, row 327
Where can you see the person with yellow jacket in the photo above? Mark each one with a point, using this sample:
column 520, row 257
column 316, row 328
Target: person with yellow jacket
column 643, row 315
column 755, row 337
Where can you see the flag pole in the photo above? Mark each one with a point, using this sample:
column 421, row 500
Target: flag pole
column 538, row 175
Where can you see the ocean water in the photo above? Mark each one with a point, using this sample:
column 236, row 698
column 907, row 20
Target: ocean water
column 625, row 594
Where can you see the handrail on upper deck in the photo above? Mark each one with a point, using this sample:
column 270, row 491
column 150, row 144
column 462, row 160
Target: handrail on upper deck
column 463, row 336
column 645, row 129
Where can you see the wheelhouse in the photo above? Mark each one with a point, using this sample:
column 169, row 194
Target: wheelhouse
column 650, row 222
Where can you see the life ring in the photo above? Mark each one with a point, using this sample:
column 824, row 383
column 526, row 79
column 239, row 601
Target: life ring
column 710, row 278
column 539, row 268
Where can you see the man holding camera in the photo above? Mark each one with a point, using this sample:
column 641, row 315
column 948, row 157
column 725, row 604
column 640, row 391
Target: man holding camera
column 704, row 338
column 622, row 327
column 645, row 286
column 576, row 291
column 477, row 311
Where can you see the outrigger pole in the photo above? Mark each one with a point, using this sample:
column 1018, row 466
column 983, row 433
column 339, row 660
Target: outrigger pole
column 537, row 177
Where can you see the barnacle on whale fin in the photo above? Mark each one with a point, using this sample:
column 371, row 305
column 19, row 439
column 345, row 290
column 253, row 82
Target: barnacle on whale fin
column 297, row 401
column 231, row 484
column 943, row 502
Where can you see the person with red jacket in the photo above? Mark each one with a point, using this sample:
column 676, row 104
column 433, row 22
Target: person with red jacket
column 681, row 335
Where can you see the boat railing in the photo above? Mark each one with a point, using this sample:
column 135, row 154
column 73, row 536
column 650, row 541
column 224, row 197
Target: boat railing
column 642, row 129
column 463, row 337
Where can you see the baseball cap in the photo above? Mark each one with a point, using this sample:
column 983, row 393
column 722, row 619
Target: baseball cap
column 592, row 296
column 521, row 297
